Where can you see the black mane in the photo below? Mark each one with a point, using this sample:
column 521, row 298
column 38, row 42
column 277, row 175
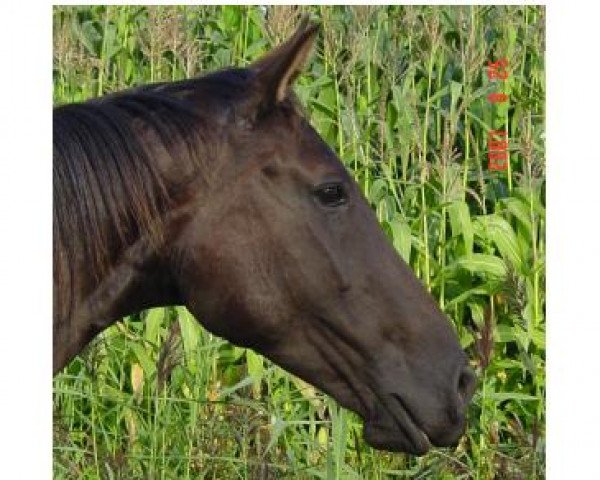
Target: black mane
column 108, row 189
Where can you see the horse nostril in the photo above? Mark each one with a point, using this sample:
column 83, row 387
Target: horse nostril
column 466, row 384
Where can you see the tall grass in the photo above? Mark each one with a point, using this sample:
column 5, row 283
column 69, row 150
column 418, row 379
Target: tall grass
column 401, row 94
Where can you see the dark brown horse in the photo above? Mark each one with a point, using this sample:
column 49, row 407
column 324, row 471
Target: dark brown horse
column 215, row 193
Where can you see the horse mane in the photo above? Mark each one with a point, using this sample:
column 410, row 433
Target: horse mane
column 108, row 189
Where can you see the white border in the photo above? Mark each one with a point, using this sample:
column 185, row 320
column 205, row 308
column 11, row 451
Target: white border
column 573, row 260
column 26, row 241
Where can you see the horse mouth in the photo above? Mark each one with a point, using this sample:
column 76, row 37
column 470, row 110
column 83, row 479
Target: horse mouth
column 394, row 428
column 418, row 437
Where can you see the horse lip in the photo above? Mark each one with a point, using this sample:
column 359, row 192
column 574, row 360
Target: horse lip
column 408, row 424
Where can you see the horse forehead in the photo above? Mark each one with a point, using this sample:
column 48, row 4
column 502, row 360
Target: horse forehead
column 293, row 139
column 316, row 156
column 313, row 153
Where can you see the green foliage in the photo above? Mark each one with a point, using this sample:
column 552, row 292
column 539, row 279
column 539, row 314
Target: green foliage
column 401, row 94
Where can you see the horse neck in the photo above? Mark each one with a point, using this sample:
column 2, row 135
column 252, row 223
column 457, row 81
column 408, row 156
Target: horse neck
column 137, row 275
column 138, row 280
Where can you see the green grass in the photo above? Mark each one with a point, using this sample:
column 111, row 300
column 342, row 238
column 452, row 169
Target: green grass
column 401, row 94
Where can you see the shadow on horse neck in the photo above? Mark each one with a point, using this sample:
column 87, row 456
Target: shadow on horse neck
column 217, row 194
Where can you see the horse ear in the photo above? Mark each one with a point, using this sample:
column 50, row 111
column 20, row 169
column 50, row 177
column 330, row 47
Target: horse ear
column 276, row 71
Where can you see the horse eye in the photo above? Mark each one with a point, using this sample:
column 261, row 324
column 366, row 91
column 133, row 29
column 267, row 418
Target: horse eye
column 331, row 194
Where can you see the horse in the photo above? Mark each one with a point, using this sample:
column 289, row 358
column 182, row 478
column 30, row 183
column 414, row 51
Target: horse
column 216, row 193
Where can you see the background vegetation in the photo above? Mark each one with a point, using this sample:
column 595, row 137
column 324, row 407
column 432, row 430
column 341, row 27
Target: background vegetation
column 401, row 94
